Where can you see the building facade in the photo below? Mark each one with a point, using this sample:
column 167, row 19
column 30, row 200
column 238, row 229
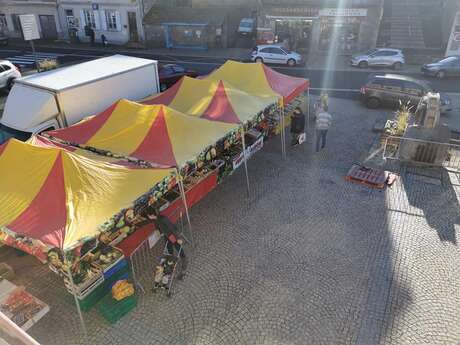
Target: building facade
column 348, row 25
column 45, row 11
column 120, row 21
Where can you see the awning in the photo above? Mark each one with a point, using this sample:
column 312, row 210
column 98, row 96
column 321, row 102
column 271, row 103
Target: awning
column 214, row 100
column 60, row 198
column 260, row 80
column 155, row 134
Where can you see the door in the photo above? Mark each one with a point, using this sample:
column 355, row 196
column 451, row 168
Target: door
column 377, row 58
column 279, row 56
column 266, row 55
column 132, row 24
column 412, row 93
column 48, row 26
column 392, row 91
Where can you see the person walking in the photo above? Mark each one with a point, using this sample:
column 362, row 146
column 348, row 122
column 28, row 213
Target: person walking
column 323, row 122
column 297, row 126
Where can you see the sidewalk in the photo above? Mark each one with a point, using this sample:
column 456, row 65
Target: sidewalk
column 318, row 61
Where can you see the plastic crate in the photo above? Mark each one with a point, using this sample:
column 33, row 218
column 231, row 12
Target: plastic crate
column 113, row 310
column 88, row 302
column 117, row 266
column 120, row 275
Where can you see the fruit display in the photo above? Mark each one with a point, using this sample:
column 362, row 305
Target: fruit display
column 122, row 289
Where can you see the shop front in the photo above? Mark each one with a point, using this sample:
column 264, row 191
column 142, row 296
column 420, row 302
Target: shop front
column 340, row 29
column 316, row 28
column 292, row 26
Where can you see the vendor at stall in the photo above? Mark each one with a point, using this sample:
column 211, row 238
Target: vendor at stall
column 297, row 126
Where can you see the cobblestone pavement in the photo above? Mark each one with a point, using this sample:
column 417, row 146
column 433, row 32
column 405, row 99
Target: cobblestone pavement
column 309, row 258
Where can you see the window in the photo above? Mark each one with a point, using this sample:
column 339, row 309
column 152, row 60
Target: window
column 412, row 88
column 392, row 83
column 112, row 20
column 69, row 13
column 277, row 51
column 265, row 50
column 389, row 53
column 89, row 18
column 16, row 22
column 5, row 68
column 3, row 24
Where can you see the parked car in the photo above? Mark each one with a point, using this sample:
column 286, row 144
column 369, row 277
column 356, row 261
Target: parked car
column 390, row 89
column 246, row 27
column 171, row 73
column 448, row 67
column 3, row 39
column 379, row 57
column 272, row 53
column 8, row 74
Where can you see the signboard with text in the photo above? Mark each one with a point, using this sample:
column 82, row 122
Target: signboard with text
column 343, row 12
column 29, row 27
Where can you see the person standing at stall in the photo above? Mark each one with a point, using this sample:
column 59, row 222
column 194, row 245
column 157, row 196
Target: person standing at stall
column 323, row 122
column 174, row 241
column 297, row 126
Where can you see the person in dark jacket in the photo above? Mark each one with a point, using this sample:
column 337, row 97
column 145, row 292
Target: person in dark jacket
column 297, row 125
column 174, row 241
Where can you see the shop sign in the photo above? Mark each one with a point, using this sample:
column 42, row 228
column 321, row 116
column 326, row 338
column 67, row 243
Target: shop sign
column 294, row 12
column 29, row 27
column 250, row 150
column 343, row 12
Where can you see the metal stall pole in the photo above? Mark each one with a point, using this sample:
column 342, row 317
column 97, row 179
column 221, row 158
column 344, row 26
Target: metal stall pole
column 184, row 200
column 74, row 291
column 283, row 131
column 308, row 108
column 243, row 140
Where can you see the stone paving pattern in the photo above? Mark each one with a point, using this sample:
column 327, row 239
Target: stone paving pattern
column 309, row 258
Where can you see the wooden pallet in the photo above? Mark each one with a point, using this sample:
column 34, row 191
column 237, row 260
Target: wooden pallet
column 373, row 178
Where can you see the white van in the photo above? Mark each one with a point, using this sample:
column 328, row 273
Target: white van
column 246, row 26
column 63, row 97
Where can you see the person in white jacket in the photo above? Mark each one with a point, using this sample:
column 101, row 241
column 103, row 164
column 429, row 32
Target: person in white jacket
column 323, row 122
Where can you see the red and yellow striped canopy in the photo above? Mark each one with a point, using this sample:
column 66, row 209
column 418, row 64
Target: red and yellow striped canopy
column 260, row 80
column 153, row 133
column 214, row 100
column 60, row 198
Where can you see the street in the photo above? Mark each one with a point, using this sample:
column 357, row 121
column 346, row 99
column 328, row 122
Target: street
column 347, row 81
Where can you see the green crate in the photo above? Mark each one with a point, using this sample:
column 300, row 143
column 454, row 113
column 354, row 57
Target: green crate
column 113, row 310
column 87, row 303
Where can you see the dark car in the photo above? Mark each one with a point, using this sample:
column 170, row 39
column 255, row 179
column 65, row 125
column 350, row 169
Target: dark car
column 448, row 67
column 171, row 73
column 390, row 89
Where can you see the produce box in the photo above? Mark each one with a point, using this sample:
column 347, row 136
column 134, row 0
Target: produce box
column 113, row 310
column 122, row 274
column 88, row 302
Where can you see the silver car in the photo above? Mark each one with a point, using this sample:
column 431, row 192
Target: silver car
column 276, row 54
column 383, row 57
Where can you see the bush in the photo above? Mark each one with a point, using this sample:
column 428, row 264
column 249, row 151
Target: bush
column 48, row 64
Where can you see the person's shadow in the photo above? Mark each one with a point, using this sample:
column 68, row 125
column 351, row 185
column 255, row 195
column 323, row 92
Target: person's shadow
column 432, row 190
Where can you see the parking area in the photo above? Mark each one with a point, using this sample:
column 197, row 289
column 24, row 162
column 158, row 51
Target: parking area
column 308, row 258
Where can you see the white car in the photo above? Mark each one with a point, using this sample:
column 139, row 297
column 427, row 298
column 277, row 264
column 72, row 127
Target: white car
column 272, row 53
column 8, row 73
column 384, row 57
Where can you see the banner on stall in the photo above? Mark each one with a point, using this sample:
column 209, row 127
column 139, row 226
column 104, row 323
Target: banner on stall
column 250, row 150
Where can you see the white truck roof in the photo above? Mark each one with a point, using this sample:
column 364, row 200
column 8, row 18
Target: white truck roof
column 84, row 73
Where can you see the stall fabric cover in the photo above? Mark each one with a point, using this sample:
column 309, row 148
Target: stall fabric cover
column 60, row 198
column 153, row 133
column 258, row 79
column 215, row 100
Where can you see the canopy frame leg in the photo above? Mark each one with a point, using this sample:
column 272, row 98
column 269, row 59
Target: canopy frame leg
column 74, row 292
column 184, row 200
column 283, row 133
column 245, row 160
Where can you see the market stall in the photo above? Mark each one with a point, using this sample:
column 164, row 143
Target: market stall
column 91, row 210
column 154, row 136
column 256, row 79
column 220, row 101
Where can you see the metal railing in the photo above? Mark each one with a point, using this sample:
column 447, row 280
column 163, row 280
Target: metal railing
column 422, row 152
